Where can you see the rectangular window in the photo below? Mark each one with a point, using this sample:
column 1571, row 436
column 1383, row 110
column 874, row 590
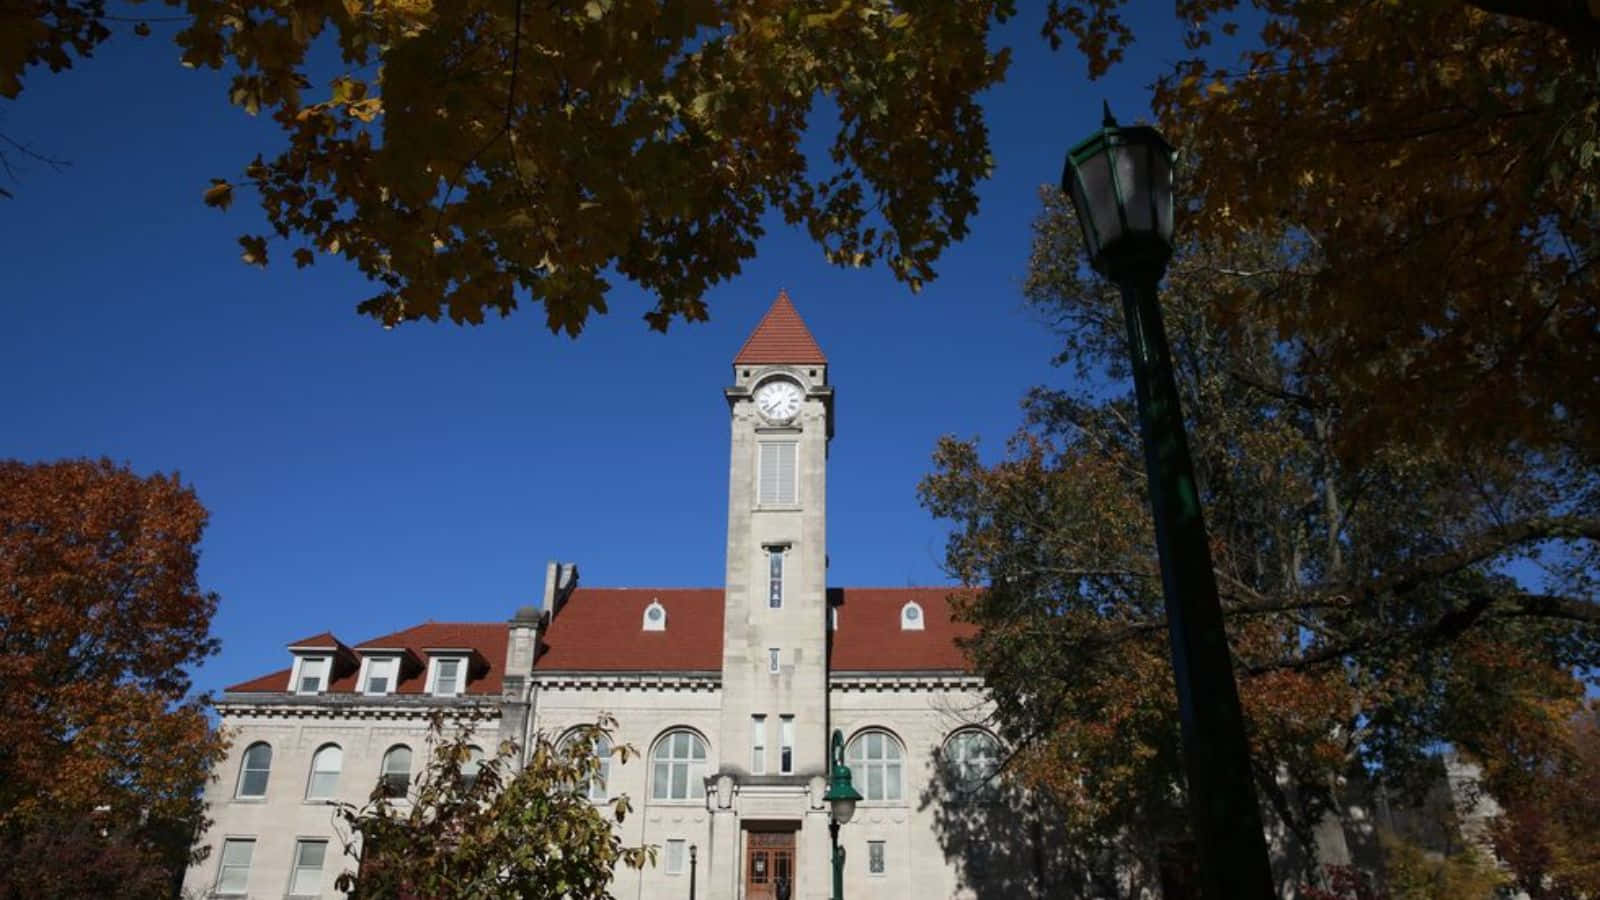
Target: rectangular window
column 786, row 745
column 777, row 476
column 774, row 661
column 306, row 880
column 312, row 673
column 233, row 874
column 758, row 745
column 675, row 855
column 381, row 674
column 875, row 857
column 775, row 577
column 447, row 677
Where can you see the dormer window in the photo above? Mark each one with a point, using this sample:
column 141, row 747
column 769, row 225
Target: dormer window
column 655, row 616
column 911, row 617
column 311, row 674
column 379, row 674
column 449, row 676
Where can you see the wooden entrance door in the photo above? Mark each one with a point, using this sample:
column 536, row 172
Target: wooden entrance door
column 769, row 865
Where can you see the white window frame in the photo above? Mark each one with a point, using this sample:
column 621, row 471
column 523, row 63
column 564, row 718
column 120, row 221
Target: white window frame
column 912, row 616
column 311, row 777
column 774, row 660
column 758, row 744
column 694, row 770
column 461, row 674
column 786, row 745
column 266, row 782
column 676, row 847
column 778, row 497
column 596, row 791
column 962, row 767
column 299, row 667
column 223, row 867
column 775, row 566
column 368, row 663
column 862, row 765
column 295, row 867
column 883, row 858
column 656, row 624
column 384, row 774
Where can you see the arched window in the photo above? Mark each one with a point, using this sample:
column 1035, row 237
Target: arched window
column 325, row 766
column 971, row 758
column 678, row 767
column 396, row 777
column 253, row 771
column 911, row 616
column 877, row 765
column 655, row 616
column 596, row 789
column 472, row 766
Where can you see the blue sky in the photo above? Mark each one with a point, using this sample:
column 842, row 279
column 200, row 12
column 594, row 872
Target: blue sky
column 362, row 480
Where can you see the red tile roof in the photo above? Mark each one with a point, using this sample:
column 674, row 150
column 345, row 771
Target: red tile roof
column 781, row 338
column 488, row 639
column 601, row 629
column 869, row 637
column 324, row 639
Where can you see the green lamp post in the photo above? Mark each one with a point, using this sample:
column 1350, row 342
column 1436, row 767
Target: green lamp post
column 1120, row 182
column 841, row 797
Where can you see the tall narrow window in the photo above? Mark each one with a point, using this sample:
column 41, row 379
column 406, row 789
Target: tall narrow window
column 786, row 745
column 253, row 772
column 472, row 766
column 306, row 880
column 875, row 864
column 325, row 766
column 675, row 856
column 774, row 660
column 596, row 788
column 775, row 577
column 777, row 476
column 233, row 874
column 758, row 745
column 396, row 778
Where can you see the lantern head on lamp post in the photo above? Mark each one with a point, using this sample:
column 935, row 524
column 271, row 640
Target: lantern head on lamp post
column 841, row 799
column 1120, row 181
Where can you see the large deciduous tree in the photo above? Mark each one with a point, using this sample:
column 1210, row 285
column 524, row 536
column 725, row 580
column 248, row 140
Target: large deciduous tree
column 1367, row 587
column 1443, row 157
column 477, row 827
column 469, row 154
column 102, row 750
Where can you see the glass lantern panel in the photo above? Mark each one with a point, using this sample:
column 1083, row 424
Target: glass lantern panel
column 1161, row 179
column 1133, row 179
column 1101, row 194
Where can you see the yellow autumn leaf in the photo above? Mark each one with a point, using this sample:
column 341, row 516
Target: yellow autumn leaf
column 219, row 194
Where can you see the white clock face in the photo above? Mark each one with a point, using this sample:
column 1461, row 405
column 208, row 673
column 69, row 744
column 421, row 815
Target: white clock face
column 778, row 401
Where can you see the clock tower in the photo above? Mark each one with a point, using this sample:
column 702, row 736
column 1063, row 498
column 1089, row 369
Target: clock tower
column 775, row 622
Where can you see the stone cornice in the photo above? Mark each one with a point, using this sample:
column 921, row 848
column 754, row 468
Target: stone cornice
column 623, row 681
column 904, row 681
column 358, row 706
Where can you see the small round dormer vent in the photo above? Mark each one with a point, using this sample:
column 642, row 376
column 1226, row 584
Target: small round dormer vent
column 655, row 616
column 911, row 617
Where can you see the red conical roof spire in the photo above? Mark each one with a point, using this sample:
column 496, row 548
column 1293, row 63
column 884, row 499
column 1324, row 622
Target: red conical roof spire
column 781, row 338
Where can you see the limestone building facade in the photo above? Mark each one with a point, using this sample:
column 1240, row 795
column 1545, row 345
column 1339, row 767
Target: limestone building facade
column 729, row 693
